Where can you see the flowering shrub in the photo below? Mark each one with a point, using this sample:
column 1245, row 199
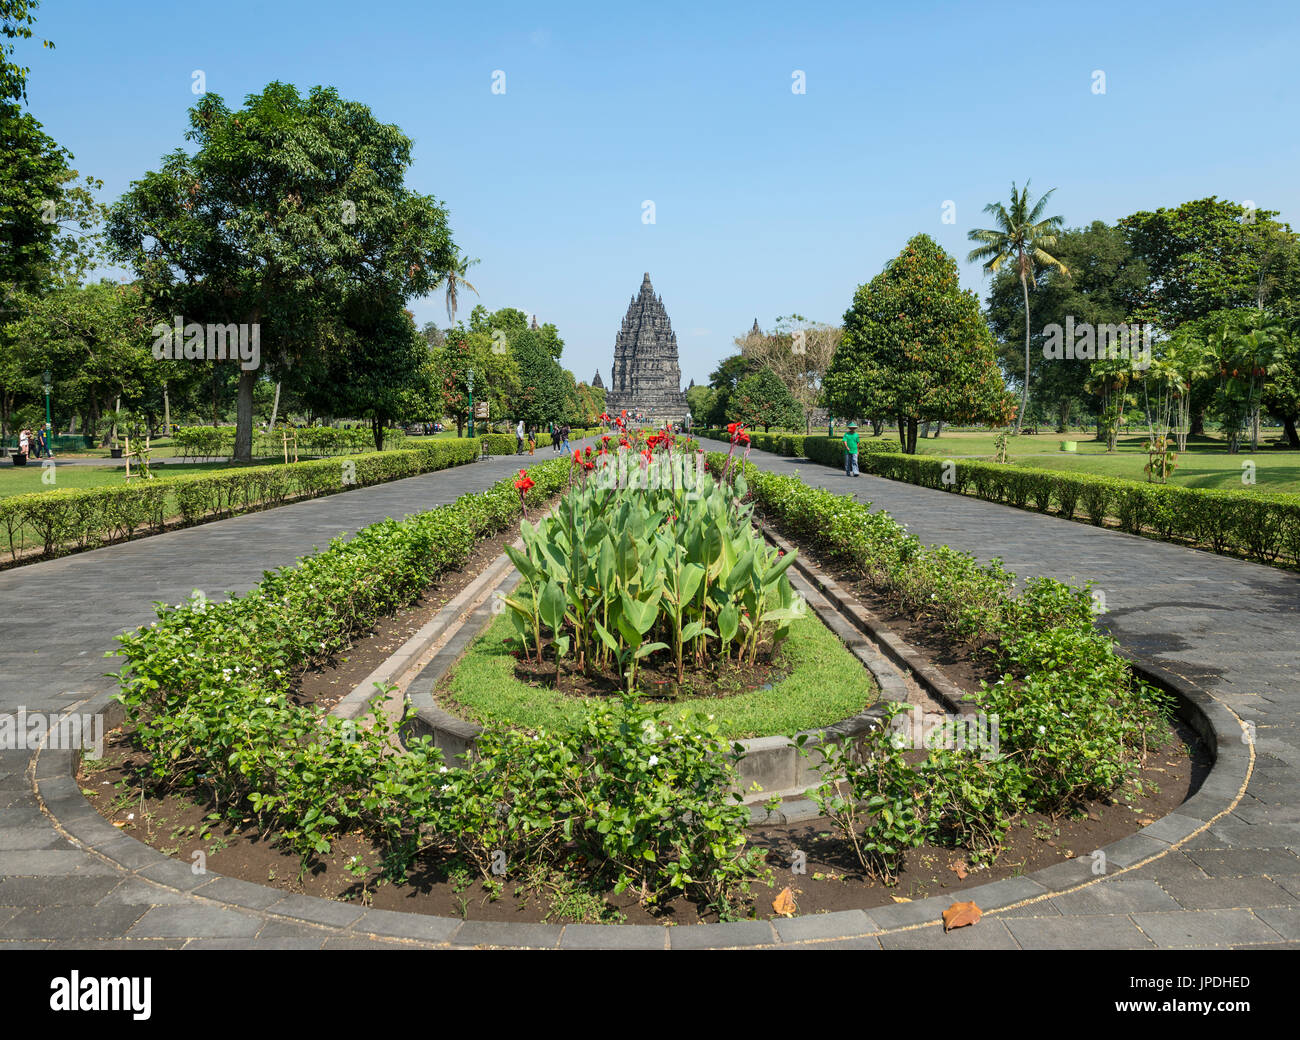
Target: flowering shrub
column 1074, row 722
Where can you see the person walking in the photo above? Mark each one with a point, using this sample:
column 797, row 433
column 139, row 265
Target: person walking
column 851, row 451
column 555, row 438
column 24, row 443
column 532, row 439
column 519, row 438
column 564, row 437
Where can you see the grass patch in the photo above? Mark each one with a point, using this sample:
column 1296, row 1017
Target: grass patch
column 826, row 683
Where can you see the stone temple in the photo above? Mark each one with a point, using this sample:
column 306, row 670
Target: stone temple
column 646, row 377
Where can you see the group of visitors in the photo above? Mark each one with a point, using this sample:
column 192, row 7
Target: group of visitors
column 527, row 435
column 35, row 444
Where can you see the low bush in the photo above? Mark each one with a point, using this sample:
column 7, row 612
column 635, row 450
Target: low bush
column 83, row 518
column 1074, row 723
column 1259, row 525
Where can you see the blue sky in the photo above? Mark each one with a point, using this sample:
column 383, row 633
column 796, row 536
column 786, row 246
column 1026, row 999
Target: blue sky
column 766, row 201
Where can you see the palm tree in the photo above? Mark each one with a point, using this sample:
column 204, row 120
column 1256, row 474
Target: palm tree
column 455, row 276
column 1022, row 235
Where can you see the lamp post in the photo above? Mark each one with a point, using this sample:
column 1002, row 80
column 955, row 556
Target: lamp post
column 49, row 428
column 469, row 386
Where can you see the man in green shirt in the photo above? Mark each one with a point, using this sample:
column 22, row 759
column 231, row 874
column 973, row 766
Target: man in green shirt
column 851, row 451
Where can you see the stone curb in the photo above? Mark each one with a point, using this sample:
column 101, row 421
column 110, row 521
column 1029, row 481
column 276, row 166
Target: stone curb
column 49, row 773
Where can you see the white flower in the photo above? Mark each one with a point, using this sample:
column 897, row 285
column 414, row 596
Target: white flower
column 1042, row 729
column 445, row 788
column 442, row 769
column 654, row 761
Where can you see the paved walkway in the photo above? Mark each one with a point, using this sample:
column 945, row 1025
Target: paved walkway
column 1222, row 871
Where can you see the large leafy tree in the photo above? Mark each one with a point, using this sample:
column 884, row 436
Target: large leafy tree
column 286, row 208
column 544, row 392
column 1022, row 238
column 95, row 341
column 1212, row 255
column 763, row 399
column 916, row 347
column 1104, row 276
column 376, row 368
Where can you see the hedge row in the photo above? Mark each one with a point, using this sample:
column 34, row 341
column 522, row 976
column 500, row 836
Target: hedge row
column 504, row 443
column 83, row 518
column 216, row 441
column 1263, row 526
column 819, row 448
column 1075, row 721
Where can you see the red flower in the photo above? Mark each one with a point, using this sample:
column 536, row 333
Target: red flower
column 524, row 482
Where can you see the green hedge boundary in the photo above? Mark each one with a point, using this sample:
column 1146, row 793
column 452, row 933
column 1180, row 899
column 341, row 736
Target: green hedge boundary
column 77, row 519
column 1259, row 525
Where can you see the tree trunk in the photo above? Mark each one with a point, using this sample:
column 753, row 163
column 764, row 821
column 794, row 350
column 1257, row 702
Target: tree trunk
column 925, row 430
column 938, row 428
column 244, row 416
column 876, row 426
column 1288, row 426
column 902, row 433
column 1198, row 423
column 167, row 412
column 1024, row 392
column 275, row 406
column 911, row 436
column 377, row 430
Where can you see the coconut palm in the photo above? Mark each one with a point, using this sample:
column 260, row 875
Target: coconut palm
column 1022, row 235
column 455, row 277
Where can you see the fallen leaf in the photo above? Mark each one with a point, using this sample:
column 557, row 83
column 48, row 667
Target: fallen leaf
column 119, row 823
column 901, row 899
column 959, row 915
column 1069, row 854
column 784, row 903
column 960, row 869
column 1145, row 823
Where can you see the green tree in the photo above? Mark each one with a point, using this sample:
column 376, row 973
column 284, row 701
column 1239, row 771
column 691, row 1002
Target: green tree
column 1211, row 255
column 763, row 399
column 1022, row 235
column 915, row 346
column 1104, row 276
column 286, row 208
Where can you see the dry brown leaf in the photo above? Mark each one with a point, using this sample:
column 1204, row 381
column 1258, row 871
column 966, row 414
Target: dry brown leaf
column 960, row 869
column 900, row 899
column 119, row 823
column 959, row 915
column 784, row 903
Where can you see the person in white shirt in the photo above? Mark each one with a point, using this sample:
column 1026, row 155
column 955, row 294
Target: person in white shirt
column 519, row 438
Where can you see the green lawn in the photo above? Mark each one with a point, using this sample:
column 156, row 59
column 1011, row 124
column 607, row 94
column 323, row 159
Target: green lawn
column 826, row 684
column 1205, row 464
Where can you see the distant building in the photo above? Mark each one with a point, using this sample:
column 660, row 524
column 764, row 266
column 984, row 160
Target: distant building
column 646, row 377
column 596, row 382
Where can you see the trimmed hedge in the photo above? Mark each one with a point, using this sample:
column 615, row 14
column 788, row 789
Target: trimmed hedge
column 1075, row 721
column 215, row 441
column 83, row 518
column 1260, row 525
column 827, row 450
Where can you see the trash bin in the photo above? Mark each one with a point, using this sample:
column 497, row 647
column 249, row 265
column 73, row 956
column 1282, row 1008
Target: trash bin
column 20, row 458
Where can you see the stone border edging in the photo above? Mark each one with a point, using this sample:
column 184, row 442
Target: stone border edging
column 53, row 777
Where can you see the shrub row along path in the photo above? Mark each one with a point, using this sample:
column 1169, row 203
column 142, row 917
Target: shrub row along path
column 1224, row 626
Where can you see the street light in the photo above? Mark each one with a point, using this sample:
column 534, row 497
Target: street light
column 49, row 428
column 469, row 384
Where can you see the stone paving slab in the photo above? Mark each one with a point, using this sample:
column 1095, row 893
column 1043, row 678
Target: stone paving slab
column 1212, row 625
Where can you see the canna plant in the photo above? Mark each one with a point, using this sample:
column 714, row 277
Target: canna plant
column 615, row 575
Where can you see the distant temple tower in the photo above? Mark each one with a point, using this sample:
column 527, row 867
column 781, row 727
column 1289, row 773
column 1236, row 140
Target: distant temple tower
column 596, row 381
column 646, row 377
